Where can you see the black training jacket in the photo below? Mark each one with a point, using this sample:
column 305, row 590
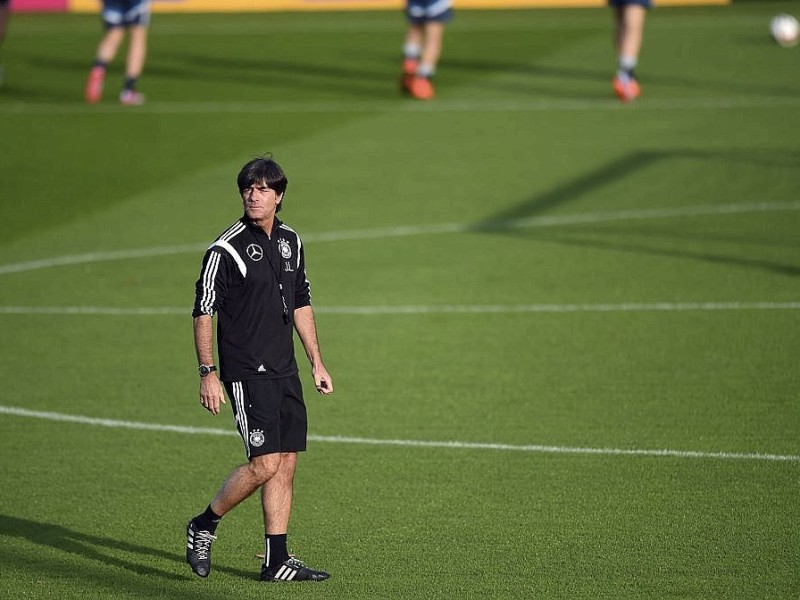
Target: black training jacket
column 253, row 283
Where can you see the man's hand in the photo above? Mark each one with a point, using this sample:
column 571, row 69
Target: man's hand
column 211, row 393
column 322, row 380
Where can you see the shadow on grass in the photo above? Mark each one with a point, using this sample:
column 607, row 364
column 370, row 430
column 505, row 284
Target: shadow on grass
column 276, row 75
column 614, row 171
column 104, row 550
column 532, row 71
column 642, row 248
column 488, row 65
column 511, row 221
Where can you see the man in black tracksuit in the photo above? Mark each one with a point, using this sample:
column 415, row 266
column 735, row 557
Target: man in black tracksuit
column 254, row 279
column 246, row 278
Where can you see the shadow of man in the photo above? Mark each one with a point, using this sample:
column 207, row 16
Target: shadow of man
column 101, row 549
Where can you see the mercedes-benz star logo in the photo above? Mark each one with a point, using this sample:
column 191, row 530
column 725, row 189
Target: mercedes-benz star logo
column 255, row 252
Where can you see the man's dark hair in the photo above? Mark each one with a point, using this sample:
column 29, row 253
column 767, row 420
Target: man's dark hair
column 263, row 170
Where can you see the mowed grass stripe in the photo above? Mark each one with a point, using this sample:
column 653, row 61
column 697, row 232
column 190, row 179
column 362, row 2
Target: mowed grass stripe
column 428, row 309
column 456, row 445
column 413, row 230
column 447, row 106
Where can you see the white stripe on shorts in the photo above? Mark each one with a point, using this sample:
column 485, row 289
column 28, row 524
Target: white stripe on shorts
column 241, row 415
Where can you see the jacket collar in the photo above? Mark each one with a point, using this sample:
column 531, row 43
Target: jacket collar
column 276, row 222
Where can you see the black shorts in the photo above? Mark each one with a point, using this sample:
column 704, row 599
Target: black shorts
column 621, row 3
column 270, row 414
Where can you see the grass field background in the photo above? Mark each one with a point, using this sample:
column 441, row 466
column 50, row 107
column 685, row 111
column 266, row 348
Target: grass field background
column 557, row 285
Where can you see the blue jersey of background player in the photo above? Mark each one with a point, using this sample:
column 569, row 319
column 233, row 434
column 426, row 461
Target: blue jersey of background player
column 423, row 44
column 629, row 17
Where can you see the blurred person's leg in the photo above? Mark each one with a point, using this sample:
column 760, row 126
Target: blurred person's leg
column 5, row 15
column 134, row 65
column 630, row 31
column 431, row 48
column 109, row 45
column 412, row 50
column 106, row 51
column 420, row 86
column 628, row 35
column 423, row 44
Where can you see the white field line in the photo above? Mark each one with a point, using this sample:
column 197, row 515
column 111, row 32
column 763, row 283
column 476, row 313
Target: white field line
column 412, row 230
column 93, row 257
column 481, row 106
column 335, row 439
column 626, row 307
column 557, row 308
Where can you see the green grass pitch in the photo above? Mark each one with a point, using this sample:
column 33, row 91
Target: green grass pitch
column 564, row 332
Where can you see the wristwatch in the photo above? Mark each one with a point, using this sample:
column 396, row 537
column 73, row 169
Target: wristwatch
column 206, row 369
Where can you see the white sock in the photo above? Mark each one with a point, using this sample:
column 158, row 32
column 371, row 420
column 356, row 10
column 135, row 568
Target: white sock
column 411, row 50
column 627, row 63
column 426, row 70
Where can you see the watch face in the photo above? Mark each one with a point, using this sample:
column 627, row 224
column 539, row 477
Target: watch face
column 204, row 370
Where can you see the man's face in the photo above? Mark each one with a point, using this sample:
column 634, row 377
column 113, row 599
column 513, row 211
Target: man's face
column 260, row 202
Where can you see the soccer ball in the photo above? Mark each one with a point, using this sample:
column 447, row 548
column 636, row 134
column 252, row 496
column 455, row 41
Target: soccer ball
column 785, row 30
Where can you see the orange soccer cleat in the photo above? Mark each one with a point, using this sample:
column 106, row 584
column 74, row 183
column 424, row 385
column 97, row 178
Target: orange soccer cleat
column 626, row 89
column 421, row 88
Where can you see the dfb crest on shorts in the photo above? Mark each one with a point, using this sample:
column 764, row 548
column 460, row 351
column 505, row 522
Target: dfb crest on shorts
column 285, row 248
column 257, row 438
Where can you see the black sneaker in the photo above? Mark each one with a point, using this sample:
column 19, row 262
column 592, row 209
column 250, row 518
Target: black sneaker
column 292, row 570
column 198, row 549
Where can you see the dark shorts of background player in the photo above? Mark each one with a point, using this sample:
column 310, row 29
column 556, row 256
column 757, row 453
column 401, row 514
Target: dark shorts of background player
column 125, row 13
column 270, row 414
column 645, row 3
column 420, row 12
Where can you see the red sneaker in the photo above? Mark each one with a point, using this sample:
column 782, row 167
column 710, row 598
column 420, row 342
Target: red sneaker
column 410, row 66
column 94, row 85
column 409, row 70
column 421, row 88
column 626, row 89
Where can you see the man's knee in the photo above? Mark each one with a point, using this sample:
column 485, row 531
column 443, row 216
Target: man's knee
column 288, row 462
column 263, row 468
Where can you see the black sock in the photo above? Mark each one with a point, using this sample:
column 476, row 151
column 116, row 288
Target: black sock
column 275, row 551
column 207, row 521
column 130, row 84
column 100, row 63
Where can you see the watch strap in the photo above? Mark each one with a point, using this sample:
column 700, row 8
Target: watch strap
column 206, row 369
